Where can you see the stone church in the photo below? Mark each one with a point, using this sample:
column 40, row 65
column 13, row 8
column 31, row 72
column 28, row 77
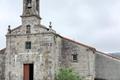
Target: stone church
column 35, row 52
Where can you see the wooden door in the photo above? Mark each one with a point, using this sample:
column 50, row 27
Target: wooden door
column 28, row 71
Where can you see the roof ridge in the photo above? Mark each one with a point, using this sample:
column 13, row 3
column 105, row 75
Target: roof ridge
column 77, row 42
column 109, row 55
column 16, row 28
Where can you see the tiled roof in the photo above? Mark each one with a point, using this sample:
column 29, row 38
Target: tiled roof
column 77, row 42
column 109, row 55
column 115, row 55
column 92, row 48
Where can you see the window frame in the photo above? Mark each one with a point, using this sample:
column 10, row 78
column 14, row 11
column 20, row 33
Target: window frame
column 28, row 45
column 75, row 57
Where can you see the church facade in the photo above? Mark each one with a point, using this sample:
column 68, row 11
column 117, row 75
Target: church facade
column 35, row 52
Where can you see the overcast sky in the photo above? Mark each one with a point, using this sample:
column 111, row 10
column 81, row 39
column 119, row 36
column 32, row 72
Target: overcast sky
column 93, row 22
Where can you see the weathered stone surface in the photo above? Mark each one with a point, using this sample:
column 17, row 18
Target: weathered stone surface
column 42, row 54
column 107, row 67
column 85, row 64
column 2, row 64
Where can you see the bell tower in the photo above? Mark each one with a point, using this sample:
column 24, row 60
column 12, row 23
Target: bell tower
column 31, row 11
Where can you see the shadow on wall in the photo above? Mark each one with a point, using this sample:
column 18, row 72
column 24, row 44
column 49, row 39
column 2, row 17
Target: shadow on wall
column 99, row 79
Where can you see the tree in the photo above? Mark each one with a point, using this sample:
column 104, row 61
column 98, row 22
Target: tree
column 67, row 74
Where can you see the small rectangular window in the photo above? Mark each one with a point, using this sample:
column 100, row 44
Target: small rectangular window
column 28, row 45
column 75, row 57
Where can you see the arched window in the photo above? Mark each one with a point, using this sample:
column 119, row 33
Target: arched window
column 28, row 29
column 28, row 3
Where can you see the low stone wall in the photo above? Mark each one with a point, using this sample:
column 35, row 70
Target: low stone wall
column 107, row 67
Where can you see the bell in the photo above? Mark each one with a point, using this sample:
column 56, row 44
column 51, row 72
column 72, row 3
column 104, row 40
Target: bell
column 29, row 5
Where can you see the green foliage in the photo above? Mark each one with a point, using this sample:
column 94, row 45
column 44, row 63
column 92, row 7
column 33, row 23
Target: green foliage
column 66, row 74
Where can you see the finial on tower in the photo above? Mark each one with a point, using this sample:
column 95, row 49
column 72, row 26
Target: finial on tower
column 50, row 24
column 9, row 29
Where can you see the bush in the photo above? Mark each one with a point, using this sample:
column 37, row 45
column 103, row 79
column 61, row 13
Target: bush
column 67, row 74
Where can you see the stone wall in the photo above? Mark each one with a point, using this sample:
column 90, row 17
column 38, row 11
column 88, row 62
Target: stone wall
column 2, row 66
column 44, row 54
column 85, row 63
column 48, row 53
column 107, row 67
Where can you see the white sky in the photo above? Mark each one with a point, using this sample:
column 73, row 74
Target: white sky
column 92, row 22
